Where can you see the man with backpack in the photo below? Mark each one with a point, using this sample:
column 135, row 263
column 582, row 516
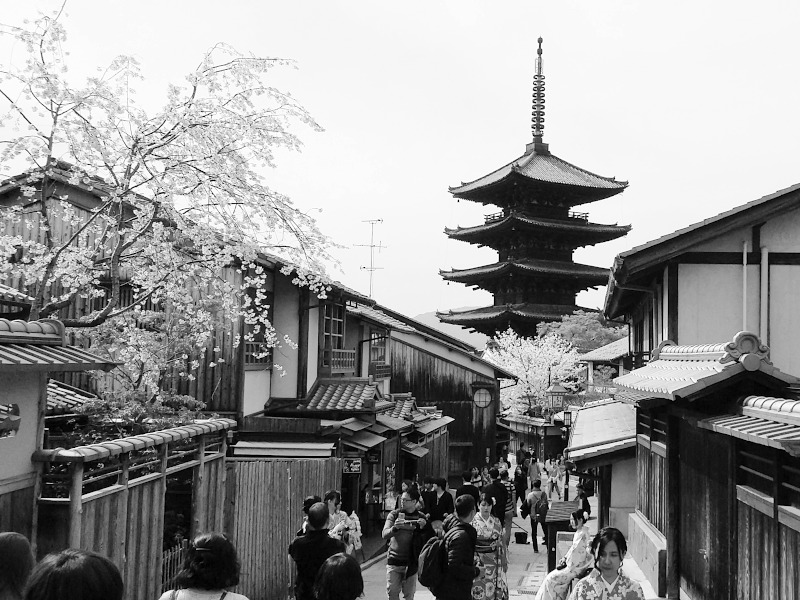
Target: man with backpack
column 455, row 564
column 401, row 528
column 537, row 507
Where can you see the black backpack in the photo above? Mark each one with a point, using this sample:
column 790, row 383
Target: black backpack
column 432, row 563
column 542, row 505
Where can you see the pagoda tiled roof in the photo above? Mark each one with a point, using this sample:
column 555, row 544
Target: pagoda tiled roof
column 544, row 168
column 614, row 350
column 576, row 228
column 563, row 269
column 526, row 311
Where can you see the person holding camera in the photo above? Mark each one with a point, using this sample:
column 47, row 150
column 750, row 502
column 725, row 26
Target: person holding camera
column 403, row 530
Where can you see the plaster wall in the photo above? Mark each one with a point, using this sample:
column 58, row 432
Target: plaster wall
column 623, row 494
column 780, row 234
column 784, row 318
column 256, row 390
column 729, row 242
column 313, row 348
column 25, row 390
column 710, row 302
column 286, row 317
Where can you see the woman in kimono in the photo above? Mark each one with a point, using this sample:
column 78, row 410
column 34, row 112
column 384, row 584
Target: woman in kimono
column 491, row 554
column 575, row 562
column 607, row 579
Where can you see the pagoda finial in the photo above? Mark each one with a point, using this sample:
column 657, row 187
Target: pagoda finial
column 537, row 120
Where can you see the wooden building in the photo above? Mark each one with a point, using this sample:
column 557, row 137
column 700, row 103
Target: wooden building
column 616, row 357
column 716, row 515
column 29, row 351
column 534, row 234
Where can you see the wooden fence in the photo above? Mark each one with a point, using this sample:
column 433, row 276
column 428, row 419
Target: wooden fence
column 264, row 512
column 109, row 497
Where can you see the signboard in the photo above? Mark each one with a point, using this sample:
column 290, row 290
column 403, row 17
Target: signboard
column 351, row 465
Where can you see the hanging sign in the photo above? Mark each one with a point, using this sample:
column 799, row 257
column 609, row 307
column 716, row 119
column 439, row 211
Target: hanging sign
column 351, row 465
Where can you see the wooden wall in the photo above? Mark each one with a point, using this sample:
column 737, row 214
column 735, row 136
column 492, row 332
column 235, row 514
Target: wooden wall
column 16, row 511
column 436, row 462
column 435, row 381
column 264, row 502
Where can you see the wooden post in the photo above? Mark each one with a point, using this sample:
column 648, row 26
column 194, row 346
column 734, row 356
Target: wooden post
column 118, row 554
column 75, row 504
column 198, row 491
column 672, row 532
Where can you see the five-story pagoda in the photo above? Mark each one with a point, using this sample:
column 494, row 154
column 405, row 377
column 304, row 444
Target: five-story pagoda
column 535, row 234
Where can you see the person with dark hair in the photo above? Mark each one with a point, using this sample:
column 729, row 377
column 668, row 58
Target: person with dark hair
column 510, row 505
column 607, row 579
column 467, row 488
column 491, row 553
column 210, row 566
column 442, row 503
column 312, row 549
column 339, row 578
column 499, row 495
column 521, row 481
column 74, row 575
column 538, row 515
column 16, row 562
column 307, row 503
column 400, row 530
column 340, row 525
column 476, row 478
column 584, row 501
column 459, row 540
column 577, row 560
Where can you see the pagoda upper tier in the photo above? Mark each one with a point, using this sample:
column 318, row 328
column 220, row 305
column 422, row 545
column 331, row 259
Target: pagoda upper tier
column 522, row 317
column 573, row 231
column 539, row 182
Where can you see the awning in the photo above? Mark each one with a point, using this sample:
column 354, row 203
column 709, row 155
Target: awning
column 393, row 423
column 363, row 440
column 784, row 436
column 414, row 449
column 34, row 357
column 434, row 424
column 282, row 450
column 600, row 449
column 378, row 428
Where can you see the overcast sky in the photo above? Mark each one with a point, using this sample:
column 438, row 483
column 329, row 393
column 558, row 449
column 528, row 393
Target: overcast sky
column 696, row 104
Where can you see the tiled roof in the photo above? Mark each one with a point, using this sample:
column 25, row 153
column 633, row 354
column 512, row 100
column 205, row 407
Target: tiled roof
column 354, row 394
column 524, row 311
column 9, row 294
column 46, row 331
column 612, row 351
column 63, row 398
column 35, row 357
column 363, row 440
column 434, row 424
column 379, row 317
column 403, row 406
column 773, row 422
column 575, row 228
column 601, row 424
column 558, row 268
column 681, row 371
column 393, row 423
column 545, row 168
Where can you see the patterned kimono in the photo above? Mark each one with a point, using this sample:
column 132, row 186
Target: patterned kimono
column 592, row 587
column 578, row 558
column 490, row 553
column 344, row 533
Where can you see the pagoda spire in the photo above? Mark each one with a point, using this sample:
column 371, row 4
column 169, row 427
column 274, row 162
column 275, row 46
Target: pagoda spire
column 537, row 118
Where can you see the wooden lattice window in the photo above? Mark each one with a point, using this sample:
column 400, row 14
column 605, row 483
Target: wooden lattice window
column 377, row 346
column 333, row 326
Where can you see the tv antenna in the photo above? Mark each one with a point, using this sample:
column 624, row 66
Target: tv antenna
column 372, row 245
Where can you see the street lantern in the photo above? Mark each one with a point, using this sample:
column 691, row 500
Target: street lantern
column 567, row 419
column 555, row 394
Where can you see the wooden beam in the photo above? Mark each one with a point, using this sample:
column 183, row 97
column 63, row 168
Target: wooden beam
column 672, row 532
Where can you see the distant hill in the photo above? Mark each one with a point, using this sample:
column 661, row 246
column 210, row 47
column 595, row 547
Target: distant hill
column 475, row 339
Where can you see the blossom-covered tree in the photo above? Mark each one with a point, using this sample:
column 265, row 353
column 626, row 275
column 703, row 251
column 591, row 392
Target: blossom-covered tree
column 584, row 330
column 150, row 221
column 537, row 362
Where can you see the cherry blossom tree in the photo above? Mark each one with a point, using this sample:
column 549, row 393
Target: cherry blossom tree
column 537, row 362
column 177, row 200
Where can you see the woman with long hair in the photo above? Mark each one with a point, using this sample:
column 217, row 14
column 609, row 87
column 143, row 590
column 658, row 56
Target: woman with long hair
column 575, row 562
column 16, row 562
column 491, row 583
column 607, row 579
column 211, row 565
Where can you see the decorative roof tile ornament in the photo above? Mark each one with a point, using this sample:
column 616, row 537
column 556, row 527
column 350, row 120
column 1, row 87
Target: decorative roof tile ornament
column 537, row 118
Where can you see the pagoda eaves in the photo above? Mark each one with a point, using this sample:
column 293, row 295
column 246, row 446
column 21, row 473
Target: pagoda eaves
column 576, row 228
column 522, row 317
column 587, row 275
